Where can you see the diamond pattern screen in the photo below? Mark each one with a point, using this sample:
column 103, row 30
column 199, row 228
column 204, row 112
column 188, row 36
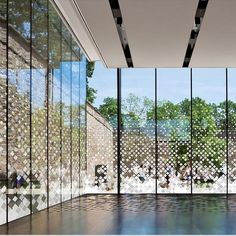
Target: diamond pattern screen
column 101, row 175
column 43, row 109
column 138, row 131
column 208, row 131
column 176, row 131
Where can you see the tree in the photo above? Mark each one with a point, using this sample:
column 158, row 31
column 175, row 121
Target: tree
column 91, row 92
column 208, row 120
column 136, row 110
column 207, row 146
column 109, row 108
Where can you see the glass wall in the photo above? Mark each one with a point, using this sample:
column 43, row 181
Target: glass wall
column 101, row 130
column 19, row 109
column 231, row 121
column 43, row 105
column 39, row 104
column 54, row 107
column 138, row 131
column 75, row 124
column 208, row 131
column 174, row 131
column 82, row 129
column 3, row 124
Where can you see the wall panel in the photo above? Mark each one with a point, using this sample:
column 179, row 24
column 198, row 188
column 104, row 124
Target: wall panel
column 3, row 104
column 231, row 130
column 75, row 142
column 54, row 106
column 174, row 131
column 138, row 131
column 66, row 70
column 102, row 132
column 83, row 131
column 19, row 28
column 39, row 104
column 209, row 150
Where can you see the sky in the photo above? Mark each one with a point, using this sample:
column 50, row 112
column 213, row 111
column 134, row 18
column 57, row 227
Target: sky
column 173, row 83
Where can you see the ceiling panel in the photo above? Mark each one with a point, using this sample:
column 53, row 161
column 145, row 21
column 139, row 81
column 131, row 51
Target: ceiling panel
column 101, row 24
column 158, row 31
column 73, row 20
column 216, row 43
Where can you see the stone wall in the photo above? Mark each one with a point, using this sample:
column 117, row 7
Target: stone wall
column 18, row 98
column 100, row 149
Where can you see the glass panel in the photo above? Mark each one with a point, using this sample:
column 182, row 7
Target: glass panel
column 54, row 122
column 83, row 156
column 232, row 129
column 66, row 114
column 75, row 120
column 102, row 131
column 138, row 131
column 174, row 131
column 19, row 109
column 39, row 104
column 3, row 76
column 46, row 109
column 208, row 140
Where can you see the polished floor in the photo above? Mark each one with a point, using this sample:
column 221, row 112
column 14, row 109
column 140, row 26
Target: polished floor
column 133, row 214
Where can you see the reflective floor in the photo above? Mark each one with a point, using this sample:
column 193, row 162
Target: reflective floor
column 133, row 214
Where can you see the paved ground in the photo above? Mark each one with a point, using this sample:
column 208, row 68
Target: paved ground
column 133, row 214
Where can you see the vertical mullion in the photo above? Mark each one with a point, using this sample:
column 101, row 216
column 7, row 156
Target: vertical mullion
column 227, row 133
column 191, row 127
column 47, row 105
column 60, row 64
column 71, row 143
column 86, row 128
column 118, row 128
column 156, row 140
column 79, row 131
column 30, row 140
column 7, row 105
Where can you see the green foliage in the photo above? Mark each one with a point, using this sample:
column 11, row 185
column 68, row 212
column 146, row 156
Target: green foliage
column 109, row 108
column 208, row 121
column 90, row 69
column 91, row 92
column 136, row 111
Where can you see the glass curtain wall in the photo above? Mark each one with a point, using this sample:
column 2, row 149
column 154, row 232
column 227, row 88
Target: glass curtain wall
column 75, row 123
column 54, row 106
column 19, row 109
column 209, row 150
column 39, row 79
column 66, row 73
column 231, row 121
column 101, row 130
column 83, row 126
column 174, row 131
column 3, row 103
column 177, row 130
column 137, row 141
column 43, row 109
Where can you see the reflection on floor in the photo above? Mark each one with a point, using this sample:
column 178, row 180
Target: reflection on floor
column 133, row 214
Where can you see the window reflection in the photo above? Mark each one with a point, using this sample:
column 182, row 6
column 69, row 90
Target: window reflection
column 42, row 108
column 3, row 76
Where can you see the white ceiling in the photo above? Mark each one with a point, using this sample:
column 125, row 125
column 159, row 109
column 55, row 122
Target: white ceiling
column 101, row 24
column 71, row 16
column 158, row 31
column 216, row 43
